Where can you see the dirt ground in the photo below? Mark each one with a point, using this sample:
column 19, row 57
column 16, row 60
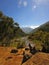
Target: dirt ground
column 7, row 58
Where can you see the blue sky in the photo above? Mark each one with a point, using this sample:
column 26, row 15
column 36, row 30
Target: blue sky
column 30, row 13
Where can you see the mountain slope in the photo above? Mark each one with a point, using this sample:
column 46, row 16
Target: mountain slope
column 40, row 37
column 9, row 30
column 43, row 27
column 27, row 29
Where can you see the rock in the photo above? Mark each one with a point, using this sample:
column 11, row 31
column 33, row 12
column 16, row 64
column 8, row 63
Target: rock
column 14, row 51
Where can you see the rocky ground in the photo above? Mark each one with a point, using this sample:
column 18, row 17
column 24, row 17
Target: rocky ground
column 8, row 58
column 38, row 59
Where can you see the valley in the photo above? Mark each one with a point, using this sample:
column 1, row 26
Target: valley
column 23, row 46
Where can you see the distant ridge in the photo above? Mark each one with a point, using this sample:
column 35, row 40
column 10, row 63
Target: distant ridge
column 27, row 29
column 43, row 27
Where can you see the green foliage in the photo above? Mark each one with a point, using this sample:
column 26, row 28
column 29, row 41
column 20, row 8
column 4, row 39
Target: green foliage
column 21, row 44
column 8, row 30
column 37, row 44
column 1, row 14
column 41, row 36
column 44, row 27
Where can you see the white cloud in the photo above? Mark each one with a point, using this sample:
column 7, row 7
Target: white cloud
column 22, row 3
column 34, row 27
column 31, row 26
column 25, row 3
column 19, row 3
column 34, row 7
column 38, row 3
column 35, row 3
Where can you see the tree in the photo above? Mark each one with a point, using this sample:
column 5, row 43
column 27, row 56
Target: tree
column 7, row 29
column 1, row 14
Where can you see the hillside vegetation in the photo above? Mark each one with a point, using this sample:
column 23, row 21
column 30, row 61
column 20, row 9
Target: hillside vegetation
column 41, row 36
column 9, row 30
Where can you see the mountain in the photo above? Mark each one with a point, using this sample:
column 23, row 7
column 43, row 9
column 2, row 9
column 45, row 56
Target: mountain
column 40, row 36
column 27, row 29
column 43, row 27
